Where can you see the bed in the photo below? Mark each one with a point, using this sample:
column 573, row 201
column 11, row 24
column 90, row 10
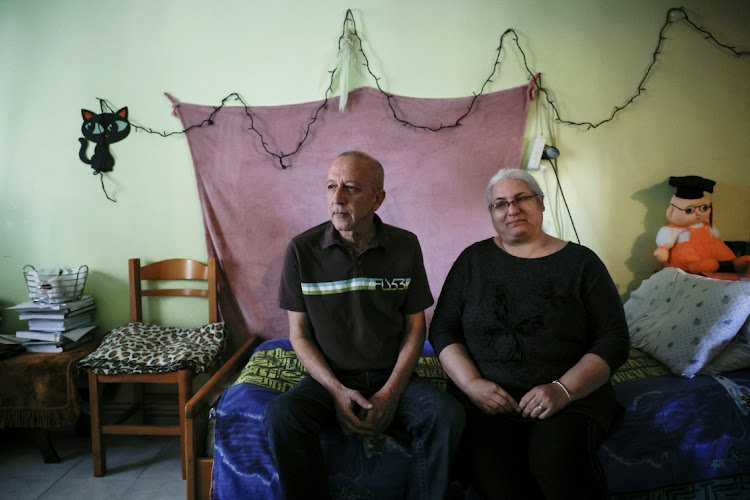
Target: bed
column 685, row 387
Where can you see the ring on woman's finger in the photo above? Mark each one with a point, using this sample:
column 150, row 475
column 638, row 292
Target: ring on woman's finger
column 540, row 408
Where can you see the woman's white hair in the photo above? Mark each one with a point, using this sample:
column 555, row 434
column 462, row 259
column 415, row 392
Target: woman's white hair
column 514, row 173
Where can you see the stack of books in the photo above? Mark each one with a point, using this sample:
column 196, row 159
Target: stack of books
column 10, row 345
column 56, row 327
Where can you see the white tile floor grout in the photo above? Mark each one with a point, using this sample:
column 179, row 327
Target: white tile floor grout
column 138, row 467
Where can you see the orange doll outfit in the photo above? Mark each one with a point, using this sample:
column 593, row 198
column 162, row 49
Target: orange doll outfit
column 695, row 249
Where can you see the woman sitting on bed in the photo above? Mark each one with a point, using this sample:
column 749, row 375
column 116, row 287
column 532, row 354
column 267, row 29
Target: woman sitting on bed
column 529, row 328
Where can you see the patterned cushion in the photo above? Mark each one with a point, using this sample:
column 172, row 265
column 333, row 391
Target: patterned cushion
column 685, row 320
column 143, row 348
column 639, row 365
column 274, row 365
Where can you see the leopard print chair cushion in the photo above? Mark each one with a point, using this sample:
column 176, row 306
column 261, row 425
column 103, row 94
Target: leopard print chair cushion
column 143, row 348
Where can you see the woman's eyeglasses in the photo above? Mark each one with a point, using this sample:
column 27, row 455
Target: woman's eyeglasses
column 520, row 202
column 701, row 209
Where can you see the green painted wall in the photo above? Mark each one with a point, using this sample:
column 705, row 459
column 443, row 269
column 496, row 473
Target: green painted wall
column 57, row 57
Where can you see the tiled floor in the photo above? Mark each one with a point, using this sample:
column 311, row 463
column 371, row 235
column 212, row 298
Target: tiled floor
column 138, row 467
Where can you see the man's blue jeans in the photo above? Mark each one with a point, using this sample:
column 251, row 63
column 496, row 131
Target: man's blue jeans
column 293, row 422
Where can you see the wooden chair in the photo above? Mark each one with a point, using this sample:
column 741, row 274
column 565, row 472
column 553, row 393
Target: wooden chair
column 172, row 269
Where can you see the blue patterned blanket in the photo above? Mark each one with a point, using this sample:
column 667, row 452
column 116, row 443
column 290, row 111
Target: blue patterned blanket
column 675, row 431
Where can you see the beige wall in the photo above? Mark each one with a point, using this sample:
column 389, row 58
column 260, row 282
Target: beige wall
column 57, row 57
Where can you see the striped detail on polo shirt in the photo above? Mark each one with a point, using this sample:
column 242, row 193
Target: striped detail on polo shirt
column 355, row 284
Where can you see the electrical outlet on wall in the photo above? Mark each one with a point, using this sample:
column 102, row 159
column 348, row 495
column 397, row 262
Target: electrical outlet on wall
column 532, row 156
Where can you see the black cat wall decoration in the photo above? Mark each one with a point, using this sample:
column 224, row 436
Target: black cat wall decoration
column 102, row 129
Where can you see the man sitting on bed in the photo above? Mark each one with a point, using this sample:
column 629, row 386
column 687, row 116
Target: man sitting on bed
column 355, row 290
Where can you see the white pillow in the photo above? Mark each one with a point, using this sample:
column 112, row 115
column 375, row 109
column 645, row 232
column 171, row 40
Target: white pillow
column 735, row 356
column 685, row 320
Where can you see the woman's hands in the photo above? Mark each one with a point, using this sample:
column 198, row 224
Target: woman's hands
column 543, row 401
column 490, row 397
column 586, row 376
column 485, row 394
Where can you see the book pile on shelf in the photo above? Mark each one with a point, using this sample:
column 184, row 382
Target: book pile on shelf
column 56, row 327
column 9, row 344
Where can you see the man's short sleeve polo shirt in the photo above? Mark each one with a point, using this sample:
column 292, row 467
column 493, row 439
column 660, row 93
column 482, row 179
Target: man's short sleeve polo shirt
column 356, row 303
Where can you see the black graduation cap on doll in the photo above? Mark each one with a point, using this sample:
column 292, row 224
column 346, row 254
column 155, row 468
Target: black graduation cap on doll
column 691, row 187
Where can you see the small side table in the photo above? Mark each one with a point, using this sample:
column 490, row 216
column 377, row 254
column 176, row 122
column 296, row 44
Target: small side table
column 39, row 392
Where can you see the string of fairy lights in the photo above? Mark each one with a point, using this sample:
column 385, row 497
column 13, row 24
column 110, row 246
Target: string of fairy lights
column 673, row 15
column 349, row 31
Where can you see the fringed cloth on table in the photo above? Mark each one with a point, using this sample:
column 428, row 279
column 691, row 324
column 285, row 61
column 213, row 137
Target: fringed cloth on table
column 39, row 390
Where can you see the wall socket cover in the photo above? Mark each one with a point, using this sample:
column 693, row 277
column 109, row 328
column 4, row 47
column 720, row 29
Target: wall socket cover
column 532, row 156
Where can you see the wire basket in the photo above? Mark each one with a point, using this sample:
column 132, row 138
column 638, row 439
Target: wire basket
column 55, row 285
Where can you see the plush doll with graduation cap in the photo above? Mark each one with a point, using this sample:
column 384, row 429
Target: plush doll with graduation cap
column 690, row 241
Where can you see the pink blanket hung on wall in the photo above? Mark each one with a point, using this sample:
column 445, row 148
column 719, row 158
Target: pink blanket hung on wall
column 435, row 182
